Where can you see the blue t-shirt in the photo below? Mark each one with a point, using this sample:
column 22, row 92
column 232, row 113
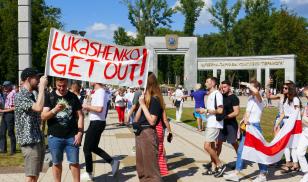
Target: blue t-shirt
column 199, row 98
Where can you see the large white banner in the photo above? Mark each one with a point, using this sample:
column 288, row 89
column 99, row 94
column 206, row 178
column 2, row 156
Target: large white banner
column 79, row 58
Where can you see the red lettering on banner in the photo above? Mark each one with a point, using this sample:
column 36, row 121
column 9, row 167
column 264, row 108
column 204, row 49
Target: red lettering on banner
column 106, row 68
column 92, row 61
column 117, row 55
column 125, row 54
column 101, row 51
column 132, row 73
column 138, row 54
column 68, row 43
column 119, row 71
column 72, row 65
column 144, row 60
column 107, row 52
column 94, row 48
column 62, row 72
column 85, row 49
column 55, row 42
column 74, row 42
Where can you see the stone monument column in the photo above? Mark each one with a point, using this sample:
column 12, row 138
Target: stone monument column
column 24, row 35
column 214, row 72
column 259, row 75
column 222, row 75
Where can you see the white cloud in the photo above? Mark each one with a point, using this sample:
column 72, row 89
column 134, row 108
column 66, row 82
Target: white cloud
column 294, row 2
column 132, row 34
column 104, row 32
column 205, row 16
column 299, row 6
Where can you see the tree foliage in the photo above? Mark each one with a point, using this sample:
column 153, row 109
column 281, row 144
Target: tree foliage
column 191, row 10
column 224, row 19
column 121, row 37
column 147, row 15
column 263, row 30
column 43, row 18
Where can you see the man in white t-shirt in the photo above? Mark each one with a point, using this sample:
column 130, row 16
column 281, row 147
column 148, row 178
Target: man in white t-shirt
column 97, row 116
column 214, row 111
column 178, row 94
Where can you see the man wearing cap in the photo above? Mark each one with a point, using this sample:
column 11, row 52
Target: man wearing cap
column 27, row 113
column 7, row 124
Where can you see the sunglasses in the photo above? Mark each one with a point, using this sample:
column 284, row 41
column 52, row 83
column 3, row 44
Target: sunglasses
column 285, row 88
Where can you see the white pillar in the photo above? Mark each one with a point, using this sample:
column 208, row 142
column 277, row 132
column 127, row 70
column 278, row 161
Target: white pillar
column 24, row 35
column 222, row 75
column 267, row 74
column 259, row 75
column 214, row 72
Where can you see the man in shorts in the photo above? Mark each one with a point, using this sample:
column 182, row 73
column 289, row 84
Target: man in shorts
column 231, row 110
column 63, row 112
column 27, row 124
column 214, row 125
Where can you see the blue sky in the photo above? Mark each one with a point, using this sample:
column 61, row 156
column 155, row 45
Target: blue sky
column 101, row 17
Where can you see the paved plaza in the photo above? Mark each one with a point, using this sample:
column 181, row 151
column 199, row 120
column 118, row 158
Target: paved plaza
column 185, row 158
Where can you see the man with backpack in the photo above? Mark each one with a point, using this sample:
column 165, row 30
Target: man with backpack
column 214, row 114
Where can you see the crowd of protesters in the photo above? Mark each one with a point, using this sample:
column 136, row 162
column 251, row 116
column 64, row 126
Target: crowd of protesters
column 216, row 110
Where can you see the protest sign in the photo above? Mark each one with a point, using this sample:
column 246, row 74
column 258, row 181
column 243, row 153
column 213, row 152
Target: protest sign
column 74, row 57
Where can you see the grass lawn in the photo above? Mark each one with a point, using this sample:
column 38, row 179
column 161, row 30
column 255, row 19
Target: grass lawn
column 11, row 160
column 267, row 119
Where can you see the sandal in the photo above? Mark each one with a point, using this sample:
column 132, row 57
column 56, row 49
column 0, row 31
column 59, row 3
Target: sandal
column 295, row 169
column 286, row 170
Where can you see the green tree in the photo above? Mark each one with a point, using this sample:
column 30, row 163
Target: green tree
column 191, row 10
column 147, row 15
column 43, row 18
column 120, row 37
column 9, row 40
column 224, row 18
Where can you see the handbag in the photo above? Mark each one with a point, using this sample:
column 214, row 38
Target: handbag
column 137, row 128
column 177, row 103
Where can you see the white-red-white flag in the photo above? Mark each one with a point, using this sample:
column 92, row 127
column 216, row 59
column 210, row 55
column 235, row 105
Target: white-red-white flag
column 256, row 149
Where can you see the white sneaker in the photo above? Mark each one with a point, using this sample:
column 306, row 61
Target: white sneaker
column 305, row 178
column 232, row 177
column 260, row 178
column 86, row 177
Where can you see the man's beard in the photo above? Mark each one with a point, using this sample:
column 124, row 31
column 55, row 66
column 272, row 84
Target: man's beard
column 226, row 93
column 34, row 87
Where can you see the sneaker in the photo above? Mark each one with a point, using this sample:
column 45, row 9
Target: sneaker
column 86, row 176
column 305, row 178
column 232, row 177
column 260, row 178
column 220, row 171
column 115, row 167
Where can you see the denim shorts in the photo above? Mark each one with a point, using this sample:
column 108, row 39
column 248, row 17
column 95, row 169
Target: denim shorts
column 57, row 146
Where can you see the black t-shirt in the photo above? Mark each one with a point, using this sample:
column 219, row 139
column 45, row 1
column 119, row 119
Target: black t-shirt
column 229, row 102
column 65, row 123
column 154, row 109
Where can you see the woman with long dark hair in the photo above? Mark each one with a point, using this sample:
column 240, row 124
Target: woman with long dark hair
column 147, row 117
column 289, row 104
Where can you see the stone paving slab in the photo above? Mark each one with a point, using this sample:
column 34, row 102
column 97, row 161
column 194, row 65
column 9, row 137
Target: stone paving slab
column 185, row 158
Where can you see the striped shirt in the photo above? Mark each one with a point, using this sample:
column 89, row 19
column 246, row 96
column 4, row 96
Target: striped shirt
column 9, row 100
